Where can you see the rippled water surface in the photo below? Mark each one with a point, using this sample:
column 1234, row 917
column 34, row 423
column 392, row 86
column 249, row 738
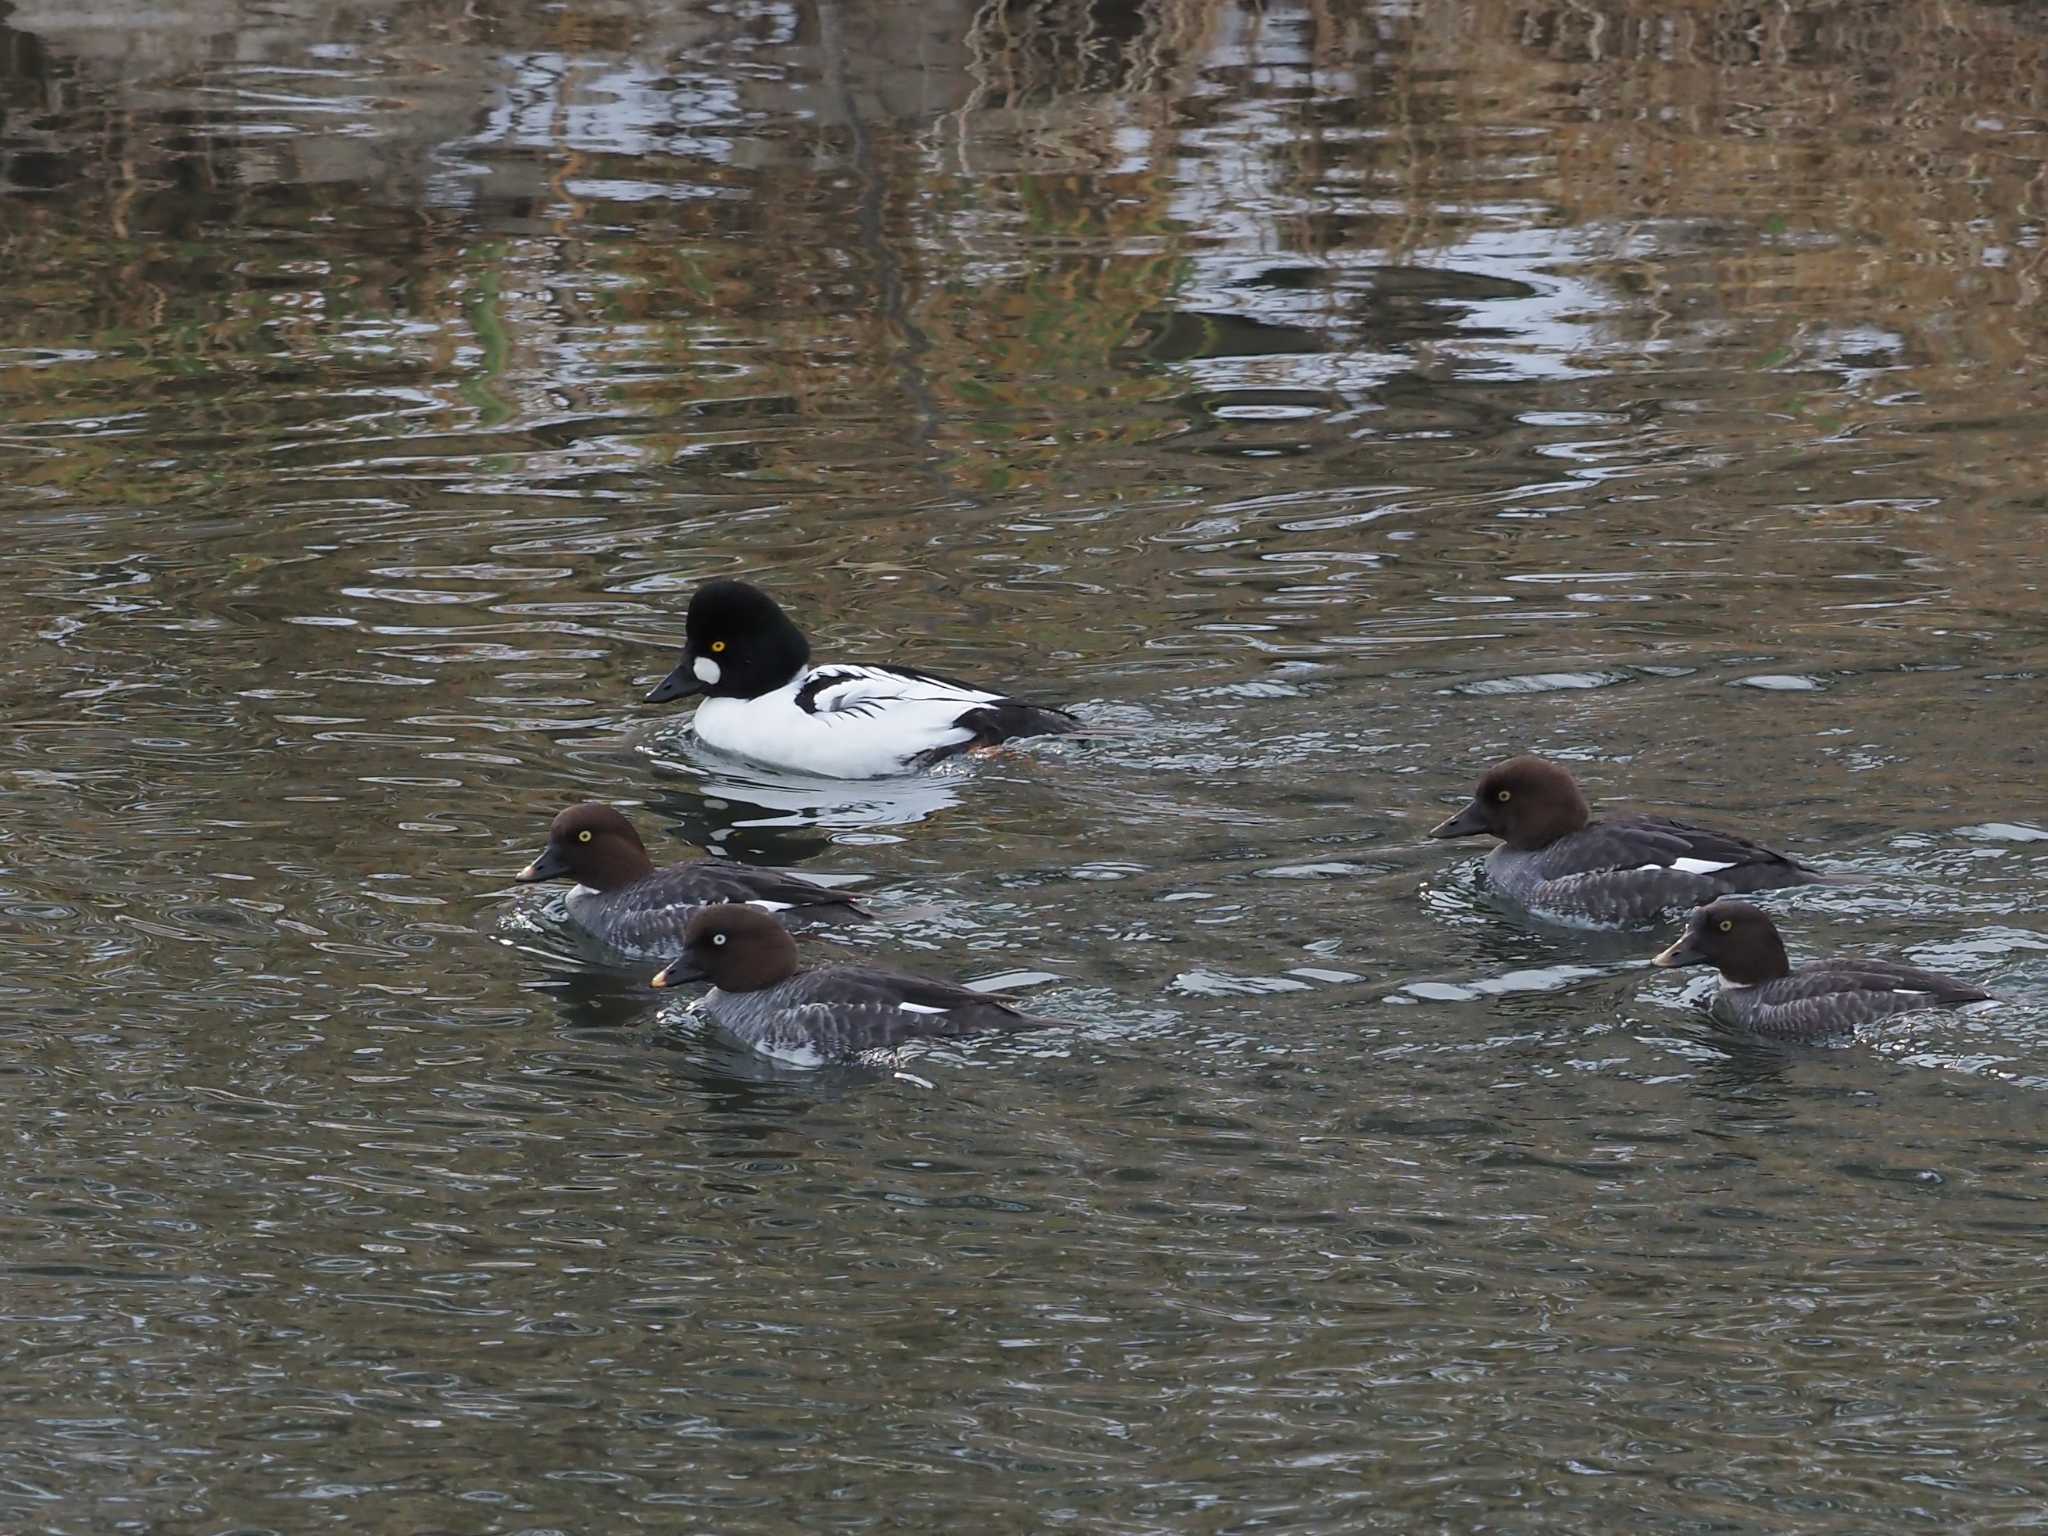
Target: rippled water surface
column 1330, row 399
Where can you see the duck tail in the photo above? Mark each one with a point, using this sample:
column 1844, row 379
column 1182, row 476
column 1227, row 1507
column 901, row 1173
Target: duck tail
column 1004, row 719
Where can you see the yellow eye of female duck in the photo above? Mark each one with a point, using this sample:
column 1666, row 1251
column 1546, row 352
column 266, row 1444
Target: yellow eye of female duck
column 1503, row 794
column 583, row 836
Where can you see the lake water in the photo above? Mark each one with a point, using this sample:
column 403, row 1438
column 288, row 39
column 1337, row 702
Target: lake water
column 1332, row 399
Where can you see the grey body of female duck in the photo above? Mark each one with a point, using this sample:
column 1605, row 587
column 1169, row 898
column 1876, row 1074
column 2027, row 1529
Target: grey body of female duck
column 832, row 1013
column 1761, row 994
column 1556, row 857
column 623, row 899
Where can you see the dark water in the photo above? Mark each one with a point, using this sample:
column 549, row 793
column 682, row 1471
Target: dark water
column 1335, row 398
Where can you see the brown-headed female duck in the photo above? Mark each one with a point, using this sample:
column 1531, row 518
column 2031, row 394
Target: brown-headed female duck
column 1555, row 856
column 623, row 899
column 831, row 1013
column 1761, row 994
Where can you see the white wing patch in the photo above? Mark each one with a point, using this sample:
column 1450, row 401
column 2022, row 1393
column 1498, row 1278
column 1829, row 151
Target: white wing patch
column 1911, row 992
column 772, row 906
column 918, row 1008
column 1702, row 866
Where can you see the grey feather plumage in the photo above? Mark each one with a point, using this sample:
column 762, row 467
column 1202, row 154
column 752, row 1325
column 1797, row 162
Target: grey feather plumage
column 642, row 918
column 1833, row 997
column 840, row 1011
column 1624, row 869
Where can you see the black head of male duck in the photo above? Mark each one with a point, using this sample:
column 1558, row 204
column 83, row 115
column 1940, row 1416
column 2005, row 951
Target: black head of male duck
column 737, row 644
column 831, row 1013
column 1761, row 993
column 1556, row 856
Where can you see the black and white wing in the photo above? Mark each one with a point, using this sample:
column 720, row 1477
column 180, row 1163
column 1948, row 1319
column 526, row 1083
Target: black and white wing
column 929, row 716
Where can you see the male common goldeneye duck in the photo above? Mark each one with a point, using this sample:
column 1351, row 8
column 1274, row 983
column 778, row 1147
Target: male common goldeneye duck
column 1762, row 994
column 621, row 898
column 764, row 701
column 1619, row 869
column 832, row 1013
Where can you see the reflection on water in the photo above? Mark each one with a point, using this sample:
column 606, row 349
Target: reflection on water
column 1332, row 400
column 737, row 798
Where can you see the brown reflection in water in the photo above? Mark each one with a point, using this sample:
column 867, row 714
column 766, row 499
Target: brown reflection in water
column 1803, row 176
column 1769, row 282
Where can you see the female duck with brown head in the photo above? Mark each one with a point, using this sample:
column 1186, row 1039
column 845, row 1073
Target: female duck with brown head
column 1762, row 994
column 832, row 1013
column 623, row 899
column 1558, row 858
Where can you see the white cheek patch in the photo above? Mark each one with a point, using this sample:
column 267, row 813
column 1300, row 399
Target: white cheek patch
column 706, row 669
column 918, row 1008
column 1701, row 866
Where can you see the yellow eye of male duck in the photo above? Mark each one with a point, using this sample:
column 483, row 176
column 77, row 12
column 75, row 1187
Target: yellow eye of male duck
column 717, row 646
